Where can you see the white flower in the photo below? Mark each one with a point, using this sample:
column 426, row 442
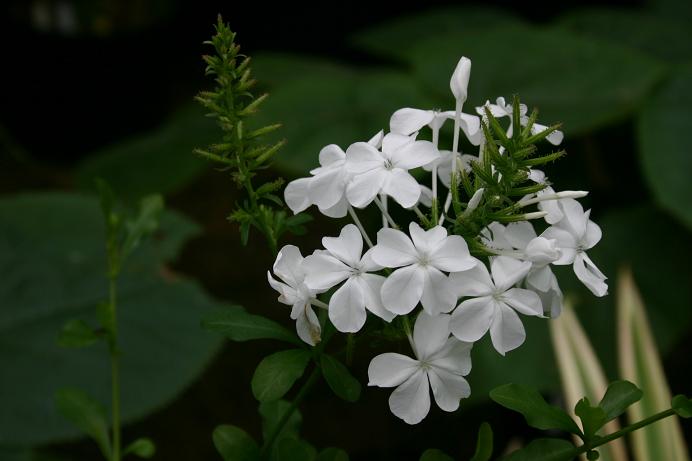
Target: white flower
column 440, row 364
column 446, row 162
column 502, row 109
column 343, row 261
column 575, row 233
column 459, row 82
column 407, row 121
column 387, row 170
column 294, row 292
column 493, row 302
column 421, row 264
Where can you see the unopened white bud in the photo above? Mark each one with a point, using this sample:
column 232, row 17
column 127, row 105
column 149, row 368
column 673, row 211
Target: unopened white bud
column 460, row 79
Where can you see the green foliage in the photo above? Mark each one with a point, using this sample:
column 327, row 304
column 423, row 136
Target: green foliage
column 234, row 444
column 290, row 449
column 619, row 396
column 332, row 454
column 55, row 241
column 276, row 373
column 592, row 418
column 142, row 448
column 484, row 443
column 433, row 454
column 238, row 325
column 536, row 410
column 87, row 414
column 271, row 413
column 682, row 406
column 663, row 145
column 339, row 378
column 545, row 450
column 76, row 333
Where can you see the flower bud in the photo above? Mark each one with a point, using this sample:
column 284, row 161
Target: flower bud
column 460, row 79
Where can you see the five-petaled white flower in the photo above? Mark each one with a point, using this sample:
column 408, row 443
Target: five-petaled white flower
column 502, row 109
column 446, row 162
column 343, row 261
column 575, row 233
column 422, row 258
column 407, row 121
column 493, row 302
column 387, row 170
column 293, row 292
column 441, row 363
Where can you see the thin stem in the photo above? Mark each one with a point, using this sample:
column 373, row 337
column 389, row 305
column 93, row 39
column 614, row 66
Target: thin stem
column 383, row 199
column 435, row 141
column 357, row 222
column 420, row 214
column 385, row 214
column 317, row 303
column 115, row 368
column 409, row 333
column 304, row 389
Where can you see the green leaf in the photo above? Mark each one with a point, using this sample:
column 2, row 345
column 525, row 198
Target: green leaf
column 530, row 403
column 664, row 146
column 560, row 73
column 87, row 414
column 76, row 333
column 291, row 449
column 340, row 380
column 143, row 448
column 682, row 406
column 544, row 450
column 234, row 444
column 484, row 443
column 160, row 161
column 55, row 241
column 433, row 454
column 238, row 325
column 619, row 396
column 144, row 224
column 271, row 413
column 276, row 374
column 332, row 454
column 592, row 418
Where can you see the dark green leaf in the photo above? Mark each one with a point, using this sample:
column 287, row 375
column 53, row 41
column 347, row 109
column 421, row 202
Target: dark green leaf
column 87, row 414
column 234, row 444
column 143, row 448
column 682, row 406
column 76, row 333
column 55, row 241
column 332, row 454
column 276, row 374
column 291, row 449
column 530, row 403
column 433, row 454
column 544, row 450
column 340, row 379
column 664, row 145
column 560, row 73
column 144, row 224
column 619, row 396
column 592, row 418
column 272, row 412
column 238, row 325
column 160, row 161
column 484, row 443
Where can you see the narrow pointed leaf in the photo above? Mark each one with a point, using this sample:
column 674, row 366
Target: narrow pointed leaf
column 238, row 325
column 340, row 380
column 276, row 374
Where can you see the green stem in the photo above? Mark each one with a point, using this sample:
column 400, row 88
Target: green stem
column 305, row 388
column 624, row 431
column 115, row 369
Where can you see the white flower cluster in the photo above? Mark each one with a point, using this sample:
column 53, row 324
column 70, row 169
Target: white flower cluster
column 462, row 297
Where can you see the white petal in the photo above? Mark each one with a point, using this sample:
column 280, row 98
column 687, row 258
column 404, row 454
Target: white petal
column 448, row 389
column 552, row 207
column 455, row 357
column 525, row 301
column 368, row 264
column 470, row 125
column 362, row 157
column 438, row 294
column 323, row 271
column 331, row 154
column 327, row 188
column 425, row 198
column 452, row 255
column 347, row 247
column 506, row 331
column 339, row 210
column 393, row 141
column 589, row 275
column 565, row 242
column 472, row 318
column 575, row 219
column 519, row 234
column 460, row 79
column 371, row 285
column 495, row 236
column 540, row 278
column 308, row 326
column 390, row 369
column 473, row 282
column 347, row 307
column 403, row 289
column 393, row 249
column 592, row 236
column 425, row 241
column 288, row 265
column 411, row 400
column 376, row 141
column 414, row 155
column 364, row 187
column 402, row 187
column 296, row 194
column 553, row 138
column 542, row 251
column 407, row 120
column 287, row 295
column 430, row 334
column 508, row 271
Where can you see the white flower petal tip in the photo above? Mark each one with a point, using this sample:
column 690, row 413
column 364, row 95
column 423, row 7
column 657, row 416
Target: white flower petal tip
column 460, row 79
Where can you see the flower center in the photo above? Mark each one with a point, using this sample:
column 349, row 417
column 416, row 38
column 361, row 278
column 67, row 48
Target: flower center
column 388, row 164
